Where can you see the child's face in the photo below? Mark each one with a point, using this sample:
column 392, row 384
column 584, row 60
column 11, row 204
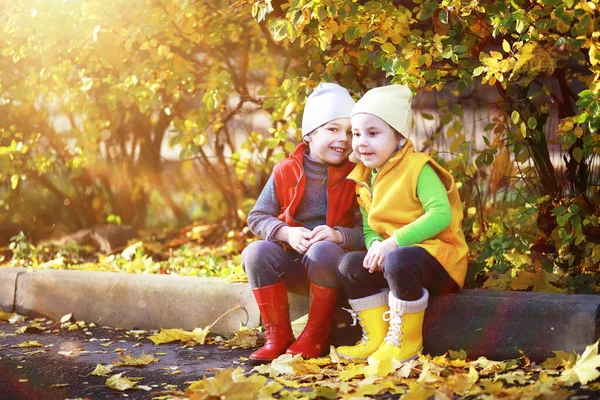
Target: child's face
column 373, row 141
column 330, row 143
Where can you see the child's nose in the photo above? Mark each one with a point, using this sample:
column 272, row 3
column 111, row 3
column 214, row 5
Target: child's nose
column 342, row 136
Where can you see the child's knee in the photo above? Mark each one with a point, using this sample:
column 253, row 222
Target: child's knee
column 254, row 255
column 325, row 250
column 351, row 264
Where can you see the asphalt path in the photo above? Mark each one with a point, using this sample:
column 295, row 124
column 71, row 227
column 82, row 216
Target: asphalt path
column 61, row 367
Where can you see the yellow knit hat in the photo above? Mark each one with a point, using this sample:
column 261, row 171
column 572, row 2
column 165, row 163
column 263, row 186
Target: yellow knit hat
column 390, row 103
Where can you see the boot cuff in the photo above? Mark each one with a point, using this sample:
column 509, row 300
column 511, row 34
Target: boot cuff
column 409, row 306
column 366, row 303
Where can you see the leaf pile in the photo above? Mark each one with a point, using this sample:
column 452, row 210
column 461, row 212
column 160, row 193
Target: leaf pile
column 444, row 377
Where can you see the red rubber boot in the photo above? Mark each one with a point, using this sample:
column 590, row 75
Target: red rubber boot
column 275, row 313
column 314, row 340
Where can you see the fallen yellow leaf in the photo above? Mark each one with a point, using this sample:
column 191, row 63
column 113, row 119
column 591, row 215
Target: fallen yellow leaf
column 119, row 382
column 65, row 318
column 197, row 336
column 143, row 359
column 102, row 370
column 562, row 359
column 32, row 343
column 585, row 368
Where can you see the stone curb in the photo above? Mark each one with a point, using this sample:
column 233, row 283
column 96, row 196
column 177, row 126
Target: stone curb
column 497, row 324
column 493, row 324
column 134, row 300
column 8, row 284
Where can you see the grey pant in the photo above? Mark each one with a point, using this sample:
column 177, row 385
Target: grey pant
column 406, row 270
column 267, row 263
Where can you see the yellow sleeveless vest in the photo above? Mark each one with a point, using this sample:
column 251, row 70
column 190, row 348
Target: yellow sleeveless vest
column 392, row 203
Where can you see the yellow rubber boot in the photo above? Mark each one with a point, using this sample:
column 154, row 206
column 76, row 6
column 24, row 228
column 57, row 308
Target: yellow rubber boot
column 404, row 339
column 368, row 312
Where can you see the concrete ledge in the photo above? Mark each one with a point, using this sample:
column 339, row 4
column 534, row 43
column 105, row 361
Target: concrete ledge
column 496, row 324
column 8, row 283
column 493, row 324
column 136, row 301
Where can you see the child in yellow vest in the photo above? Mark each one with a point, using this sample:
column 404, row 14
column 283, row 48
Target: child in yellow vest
column 412, row 222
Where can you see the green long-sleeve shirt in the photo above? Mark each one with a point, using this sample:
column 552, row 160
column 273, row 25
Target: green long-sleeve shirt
column 438, row 214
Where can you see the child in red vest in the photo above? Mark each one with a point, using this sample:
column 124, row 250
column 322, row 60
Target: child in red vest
column 412, row 218
column 307, row 217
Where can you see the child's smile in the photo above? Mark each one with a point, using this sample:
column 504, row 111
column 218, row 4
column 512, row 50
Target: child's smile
column 330, row 143
column 373, row 141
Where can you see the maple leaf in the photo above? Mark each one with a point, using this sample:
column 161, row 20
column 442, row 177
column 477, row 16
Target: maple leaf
column 12, row 318
column 32, row 343
column 197, row 336
column 287, row 364
column 324, row 392
column 418, row 391
column 5, row 316
column 373, row 386
column 489, row 387
column 430, row 372
column 562, row 359
column 246, row 338
column 585, row 369
column 228, row 384
column 382, row 368
column 288, row 383
column 352, row 371
column 457, row 355
column 544, row 280
column 143, row 359
column 33, row 325
column 406, row 368
column 524, row 281
column 489, row 366
column 497, row 283
column 462, row 383
column 513, row 377
column 102, row 370
column 120, row 382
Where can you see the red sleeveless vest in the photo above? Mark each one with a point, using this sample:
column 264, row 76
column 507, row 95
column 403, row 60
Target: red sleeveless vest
column 290, row 182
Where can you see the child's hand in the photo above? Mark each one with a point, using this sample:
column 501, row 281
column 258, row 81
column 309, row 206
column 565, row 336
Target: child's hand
column 324, row 232
column 299, row 238
column 377, row 254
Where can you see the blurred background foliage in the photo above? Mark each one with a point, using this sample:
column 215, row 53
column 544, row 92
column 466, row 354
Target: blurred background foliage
column 169, row 114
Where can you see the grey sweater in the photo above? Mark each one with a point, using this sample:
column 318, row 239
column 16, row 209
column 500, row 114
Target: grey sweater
column 311, row 212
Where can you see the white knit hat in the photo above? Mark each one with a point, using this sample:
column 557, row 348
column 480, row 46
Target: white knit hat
column 391, row 104
column 327, row 102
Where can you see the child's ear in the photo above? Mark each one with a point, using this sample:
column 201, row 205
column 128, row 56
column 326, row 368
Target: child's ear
column 307, row 138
